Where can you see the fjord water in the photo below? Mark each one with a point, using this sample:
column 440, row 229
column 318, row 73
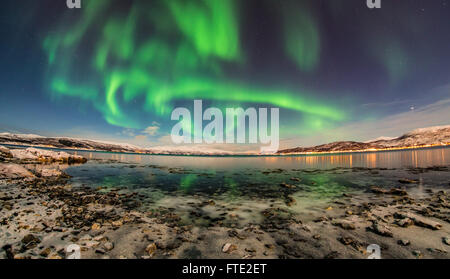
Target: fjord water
column 248, row 185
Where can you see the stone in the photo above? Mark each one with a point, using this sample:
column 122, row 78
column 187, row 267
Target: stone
column 151, row 249
column 54, row 257
column 108, row 246
column 96, row 226
column 14, row 171
column 380, row 229
column 346, row 225
column 417, row 253
column 446, row 240
column 44, row 253
column 228, row 248
column 117, row 224
column 408, row 181
column 346, row 240
column 91, row 244
column 288, row 186
column 398, row 192
column 317, row 236
column 29, row 238
column 420, row 221
column 405, row 222
column 403, row 242
column 100, row 251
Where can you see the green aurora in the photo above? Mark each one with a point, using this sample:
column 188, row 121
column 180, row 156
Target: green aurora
column 148, row 58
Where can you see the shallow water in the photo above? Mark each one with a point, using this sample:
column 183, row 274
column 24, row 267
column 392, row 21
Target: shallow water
column 250, row 184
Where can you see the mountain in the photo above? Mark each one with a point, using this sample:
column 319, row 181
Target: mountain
column 70, row 143
column 438, row 135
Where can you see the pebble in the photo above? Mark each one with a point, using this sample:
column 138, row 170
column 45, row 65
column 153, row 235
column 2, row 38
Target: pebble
column 345, row 225
column 381, row 229
column 403, row 242
column 151, row 249
column 417, row 253
column 446, row 240
column 109, row 246
column 228, row 248
column 96, row 226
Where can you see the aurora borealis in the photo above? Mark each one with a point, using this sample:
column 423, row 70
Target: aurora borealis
column 120, row 67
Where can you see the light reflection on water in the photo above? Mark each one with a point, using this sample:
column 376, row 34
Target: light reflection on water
column 419, row 158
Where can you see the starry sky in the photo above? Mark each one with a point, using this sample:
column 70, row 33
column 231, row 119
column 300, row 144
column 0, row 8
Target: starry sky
column 115, row 69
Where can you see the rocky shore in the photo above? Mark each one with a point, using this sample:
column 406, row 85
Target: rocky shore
column 42, row 214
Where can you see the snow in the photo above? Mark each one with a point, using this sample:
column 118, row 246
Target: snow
column 13, row 171
column 433, row 129
column 35, row 154
column 28, row 136
column 380, row 138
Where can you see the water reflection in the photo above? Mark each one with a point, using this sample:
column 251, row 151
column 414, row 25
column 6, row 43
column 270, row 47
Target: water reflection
column 393, row 159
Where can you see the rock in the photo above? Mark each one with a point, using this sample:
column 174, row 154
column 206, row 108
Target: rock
column 346, row 225
column 288, row 186
column 108, row 246
column 50, row 173
column 417, row 253
column 377, row 190
column 398, row 192
column 117, row 224
column 211, row 202
column 408, row 181
column 405, row 222
column 420, row 221
column 100, row 251
column 151, row 249
column 91, row 244
column 290, row 201
column 44, row 253
column 100, row 238
column 393, row 191
column 296, row 179
column 228, row 248
column 380, row 229
column 317, row 236
column 446, row 240
column 403, row 242
column 29, row 238
column 5, row 152
column 54, row 257
column 14, row 171
column 346, row 240
column 95, row 226
column 41, row 155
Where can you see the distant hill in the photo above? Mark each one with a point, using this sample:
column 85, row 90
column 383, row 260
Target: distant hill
column 56, row 142
column 420, row 137
column 439, row 135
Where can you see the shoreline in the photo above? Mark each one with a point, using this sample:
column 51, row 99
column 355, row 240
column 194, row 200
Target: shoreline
column 301, row 154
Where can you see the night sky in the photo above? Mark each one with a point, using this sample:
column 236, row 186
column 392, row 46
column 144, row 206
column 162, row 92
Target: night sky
column 114, row 70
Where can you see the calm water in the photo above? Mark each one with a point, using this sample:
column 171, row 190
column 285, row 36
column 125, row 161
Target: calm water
column 314, row 177
column 247, row 185
column 421, row 158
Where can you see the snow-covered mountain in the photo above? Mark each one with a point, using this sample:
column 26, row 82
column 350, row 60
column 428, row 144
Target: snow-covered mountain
column 64, row 142
column 423, row 136
column 438, row 135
